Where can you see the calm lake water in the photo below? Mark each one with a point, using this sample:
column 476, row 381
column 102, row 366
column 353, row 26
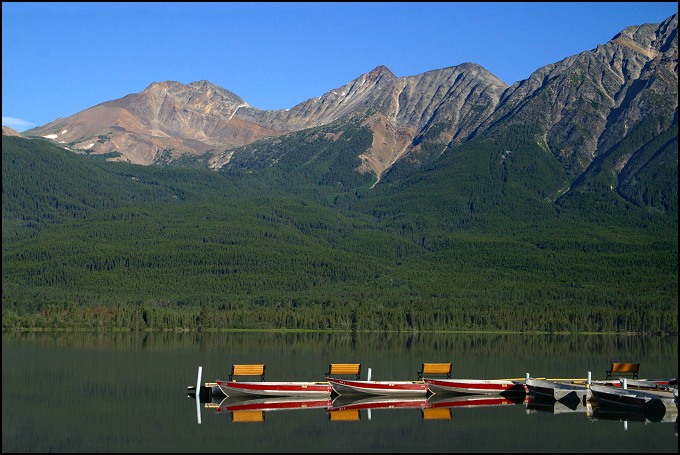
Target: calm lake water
column 83, row 392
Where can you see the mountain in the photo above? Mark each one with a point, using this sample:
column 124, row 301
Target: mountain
column 7, row 131
column 442, row 201
column 604, row 118
column 609, row 115
column 452, row 100
column 585, row 105
column 137, row 128
column 170, row 119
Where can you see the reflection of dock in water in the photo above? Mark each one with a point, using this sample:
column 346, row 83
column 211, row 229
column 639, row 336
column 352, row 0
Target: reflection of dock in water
column 654, row 416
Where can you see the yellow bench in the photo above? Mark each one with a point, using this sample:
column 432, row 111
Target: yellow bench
column 435, row 368
column 344, row 368
column 247, row 370
column 623, row 368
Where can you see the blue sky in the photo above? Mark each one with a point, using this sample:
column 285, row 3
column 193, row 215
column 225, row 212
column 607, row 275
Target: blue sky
column 61, row 58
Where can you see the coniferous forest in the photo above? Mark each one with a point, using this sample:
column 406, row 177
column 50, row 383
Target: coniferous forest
column 464, row 245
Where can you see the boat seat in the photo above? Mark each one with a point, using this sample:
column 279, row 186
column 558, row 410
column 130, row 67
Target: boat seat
column 435, row 368
column 623, row 369
column 344, row 368
column 247, row 370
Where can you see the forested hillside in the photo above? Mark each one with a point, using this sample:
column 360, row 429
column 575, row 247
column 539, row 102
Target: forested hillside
column 473, row 242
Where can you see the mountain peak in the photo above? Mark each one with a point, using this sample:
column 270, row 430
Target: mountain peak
column 379, row 72
column 161, row 85
column 204, row 83
column 186, row 91
column 381, row 69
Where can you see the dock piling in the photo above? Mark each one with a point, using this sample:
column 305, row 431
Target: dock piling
column 198, row 380
column 198, row 393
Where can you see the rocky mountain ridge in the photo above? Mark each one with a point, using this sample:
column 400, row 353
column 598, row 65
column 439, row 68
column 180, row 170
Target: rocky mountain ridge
column 580, row 110
column 7, row 131
column 200, row 117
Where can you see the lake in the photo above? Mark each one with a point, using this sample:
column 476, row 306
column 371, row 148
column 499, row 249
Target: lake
column 127, row 392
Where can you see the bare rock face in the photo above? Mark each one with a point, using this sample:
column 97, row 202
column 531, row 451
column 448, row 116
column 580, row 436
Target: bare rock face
column 585, row 104
column 578, row 109
column 197, row 118
column 399, row 109
column 7, row 131
column 167, row 117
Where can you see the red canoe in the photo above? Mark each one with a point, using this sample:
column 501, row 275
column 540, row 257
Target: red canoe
column 391, row 388
column 275, row 389
column 473, row 386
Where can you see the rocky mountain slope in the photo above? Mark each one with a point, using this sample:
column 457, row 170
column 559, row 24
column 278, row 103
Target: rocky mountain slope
column 606, row 115
column 7, row 131
column 586, row 103
column 174, row 118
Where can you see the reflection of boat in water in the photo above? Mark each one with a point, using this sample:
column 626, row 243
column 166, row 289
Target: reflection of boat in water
column 605, row 413
column 347, row 408
column 470, row 401
column 436, row 406
column 538, row 404
column 253, row 409
column 380, row 388
column 440, row 405
column 473, row 386
column 379, row 402
column 231, row 404
column 640, row 415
